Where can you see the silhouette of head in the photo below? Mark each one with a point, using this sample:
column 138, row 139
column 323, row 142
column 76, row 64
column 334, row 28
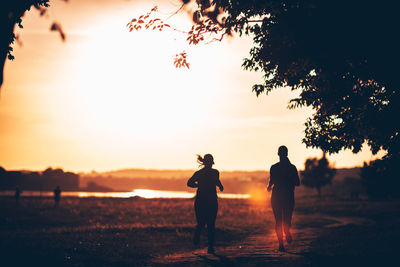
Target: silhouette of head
column 206, row 161
column 282, row 151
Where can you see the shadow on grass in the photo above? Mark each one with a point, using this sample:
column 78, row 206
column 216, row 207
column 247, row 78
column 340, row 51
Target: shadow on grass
column 215, row 259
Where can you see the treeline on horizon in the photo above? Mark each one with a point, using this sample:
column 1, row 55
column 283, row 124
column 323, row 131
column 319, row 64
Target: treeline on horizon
column 46, row 180
column 124, row 180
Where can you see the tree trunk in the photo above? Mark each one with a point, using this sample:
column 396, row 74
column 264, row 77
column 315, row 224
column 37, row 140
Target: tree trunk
column 319, row 192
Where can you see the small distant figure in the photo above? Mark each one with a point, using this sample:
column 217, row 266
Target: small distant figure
column 17, row 195
column 57, row 196
column 206, row 201
column 283, row 179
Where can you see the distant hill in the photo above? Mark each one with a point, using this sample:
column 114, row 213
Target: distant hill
column 343, row 173
column 147, row 173
column 129, row 179
column 173, row 174
column 234, row 181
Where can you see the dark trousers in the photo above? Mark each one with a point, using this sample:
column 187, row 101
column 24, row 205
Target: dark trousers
column 206, row 213
column 282, row 206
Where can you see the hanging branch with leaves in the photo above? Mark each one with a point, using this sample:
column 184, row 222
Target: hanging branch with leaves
column 204, row 31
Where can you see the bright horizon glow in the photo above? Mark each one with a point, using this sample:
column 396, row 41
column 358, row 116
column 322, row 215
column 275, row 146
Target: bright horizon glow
column 144, row 193
column 109, row 99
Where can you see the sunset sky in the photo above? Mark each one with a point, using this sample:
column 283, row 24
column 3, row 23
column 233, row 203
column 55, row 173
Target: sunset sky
column 108, row 99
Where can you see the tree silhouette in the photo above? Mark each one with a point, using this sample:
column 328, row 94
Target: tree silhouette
column 317, row 173
column 11, row 13
column 381, row 178
column 340, row 55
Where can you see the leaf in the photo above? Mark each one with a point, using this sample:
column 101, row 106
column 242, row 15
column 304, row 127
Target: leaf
column 57, row 27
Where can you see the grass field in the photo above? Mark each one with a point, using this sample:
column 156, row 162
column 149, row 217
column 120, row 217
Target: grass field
column 135, row 232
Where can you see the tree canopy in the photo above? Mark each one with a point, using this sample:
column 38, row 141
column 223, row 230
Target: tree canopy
column 340, row 55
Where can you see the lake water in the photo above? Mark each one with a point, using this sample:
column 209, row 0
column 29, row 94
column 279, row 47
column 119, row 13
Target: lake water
column 145, row 193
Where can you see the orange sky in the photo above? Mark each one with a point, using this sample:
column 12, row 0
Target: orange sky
column 109, row 99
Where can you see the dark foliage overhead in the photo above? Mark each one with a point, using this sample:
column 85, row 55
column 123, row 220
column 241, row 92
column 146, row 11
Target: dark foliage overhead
column 340, row 55
column 11, row 13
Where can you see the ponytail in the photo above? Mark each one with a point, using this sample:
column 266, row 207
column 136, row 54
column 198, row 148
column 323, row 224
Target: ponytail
column 200, row 160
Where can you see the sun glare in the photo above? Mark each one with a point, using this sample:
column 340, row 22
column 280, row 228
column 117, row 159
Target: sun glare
column 130, row 85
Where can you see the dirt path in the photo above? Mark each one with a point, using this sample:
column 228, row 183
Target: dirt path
column 259, row 250
column 253, row 251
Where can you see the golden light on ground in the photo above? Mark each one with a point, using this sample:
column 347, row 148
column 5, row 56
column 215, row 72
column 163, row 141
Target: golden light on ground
column 259, row 194
column 147, row 193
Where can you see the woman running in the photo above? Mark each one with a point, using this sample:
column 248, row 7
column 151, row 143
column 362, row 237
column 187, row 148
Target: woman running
column 206, row 204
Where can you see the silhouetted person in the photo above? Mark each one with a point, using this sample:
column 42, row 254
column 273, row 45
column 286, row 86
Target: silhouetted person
column 57, row 195
column 17, row 195
column 283, row 179
column 206, row 203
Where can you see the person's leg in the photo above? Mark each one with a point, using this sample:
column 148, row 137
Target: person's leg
column 197, row 232
column 287, row 221
column 212, row 216
column 200, row 222
column 278, row 222
column 278, row 228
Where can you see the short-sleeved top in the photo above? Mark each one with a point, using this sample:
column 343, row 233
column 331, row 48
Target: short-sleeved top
column 207, row 181
column 284, row 177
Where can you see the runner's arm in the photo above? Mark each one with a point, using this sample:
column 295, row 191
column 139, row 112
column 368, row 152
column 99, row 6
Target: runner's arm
column 271, row 179
column 219, row 184
column 193, row 181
